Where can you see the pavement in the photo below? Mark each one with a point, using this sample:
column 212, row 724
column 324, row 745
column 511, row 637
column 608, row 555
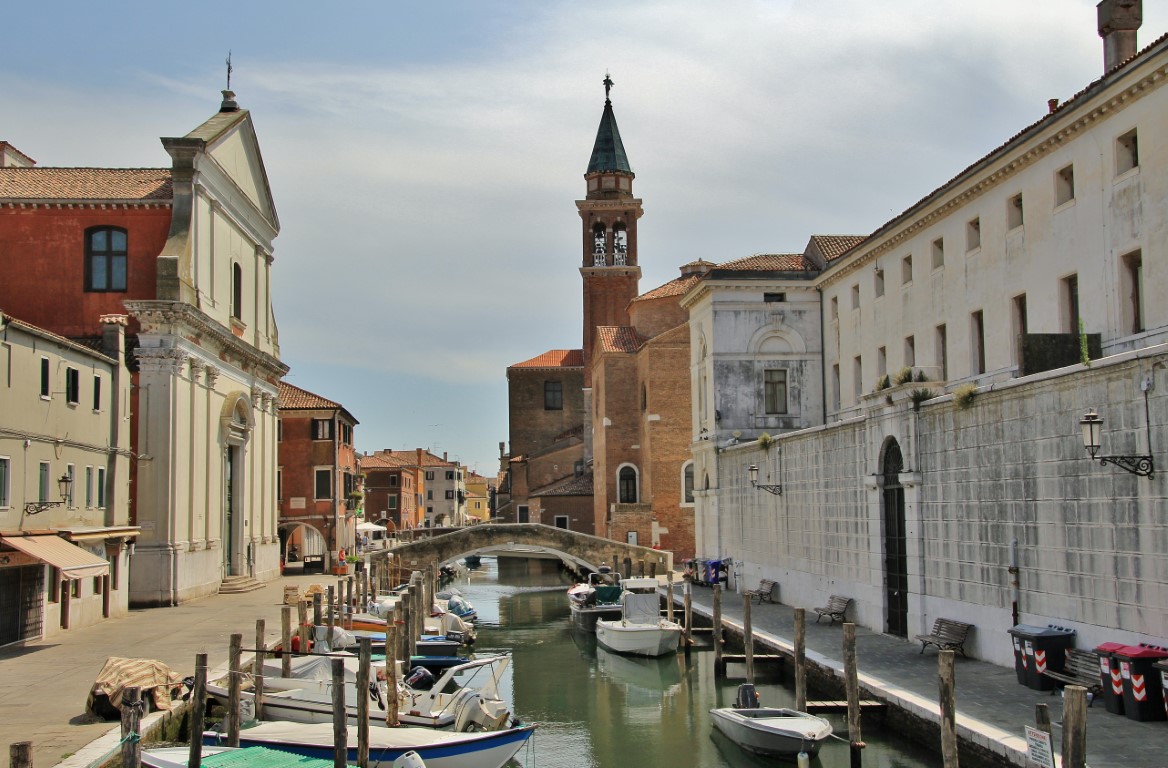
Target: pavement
column 43, row 686
column 993, row 707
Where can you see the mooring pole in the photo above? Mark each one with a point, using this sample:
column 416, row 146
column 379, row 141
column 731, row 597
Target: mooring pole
column 132, row 726
column 669, row 600
column 948, row 703
column 332, row 613
column 719, row 667
column 286, row 641
column 391, row 657
column 302, row 631
column 258, row 668
column 20, row 755
column 801, row 659
column 1074, row 726
column 365, row 654
column 688, row 610
column 340, row 717
column 234, row 683
column 1042, row 717
column 852, row 680
column 198, row 711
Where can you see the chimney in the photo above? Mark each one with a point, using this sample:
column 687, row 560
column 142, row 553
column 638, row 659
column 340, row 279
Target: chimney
column 113, row 335
column 1118, row 22
column 1052, row 105
column 444, row 456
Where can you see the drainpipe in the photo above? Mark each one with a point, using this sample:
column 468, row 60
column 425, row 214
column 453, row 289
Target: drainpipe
column 1013, row 571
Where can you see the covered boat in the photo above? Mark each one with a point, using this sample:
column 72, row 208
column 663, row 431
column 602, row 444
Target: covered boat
column 640, row 630
column 770, row 731
column 596, row 598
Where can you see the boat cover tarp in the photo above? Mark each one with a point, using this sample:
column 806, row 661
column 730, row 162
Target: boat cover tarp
column 153, row 677
column 641, row 608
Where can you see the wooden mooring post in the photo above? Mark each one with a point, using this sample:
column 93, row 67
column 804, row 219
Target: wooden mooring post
column 332, row 612
column 132, row 706
column 688, row 612
column 340, row 716
column 317, row 610
column 286, row 641
column 716, row 634
column 234, row 683
column 747, row 638
column 258, row 668
column 198, row 711
column 1074, row 726
column 302, row 631
column 801, row 659
column 365, row 654
column 391, row 657
column 20, row 755
column 669, row 596
column 948, row 704
column 852, row 682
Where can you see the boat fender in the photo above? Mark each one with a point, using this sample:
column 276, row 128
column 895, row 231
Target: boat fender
column 410, row 759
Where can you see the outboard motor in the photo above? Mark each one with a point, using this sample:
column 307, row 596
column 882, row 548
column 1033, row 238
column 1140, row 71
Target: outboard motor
column 747, row 697
column 420, row 679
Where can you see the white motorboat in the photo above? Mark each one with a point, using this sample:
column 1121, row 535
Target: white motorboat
column 465, row 696
column 596, row 598
column 213, row 757
column 438, row 749
column 640, row 630
column 767, row 730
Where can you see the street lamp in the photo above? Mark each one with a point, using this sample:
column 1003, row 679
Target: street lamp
column 776, row 489
column 1092, row 425
column 36, row 507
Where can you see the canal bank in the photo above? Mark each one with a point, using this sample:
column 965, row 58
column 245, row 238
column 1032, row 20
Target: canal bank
column 993, row 707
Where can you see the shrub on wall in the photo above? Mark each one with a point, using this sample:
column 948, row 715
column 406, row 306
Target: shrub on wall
column 963, row 396
column 903, row 376
column 919, row 396
column 765, row 441
column 882, row 383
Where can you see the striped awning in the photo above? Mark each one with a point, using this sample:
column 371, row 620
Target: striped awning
column 73, row 561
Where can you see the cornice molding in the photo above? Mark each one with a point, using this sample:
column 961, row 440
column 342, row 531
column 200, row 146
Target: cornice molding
column 81, row 204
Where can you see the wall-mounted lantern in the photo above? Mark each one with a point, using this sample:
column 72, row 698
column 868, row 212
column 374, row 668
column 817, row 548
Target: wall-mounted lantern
column 776, row 489
column 36, row 507
column 1092, row 425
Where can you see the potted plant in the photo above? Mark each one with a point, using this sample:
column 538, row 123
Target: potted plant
column 355, row 562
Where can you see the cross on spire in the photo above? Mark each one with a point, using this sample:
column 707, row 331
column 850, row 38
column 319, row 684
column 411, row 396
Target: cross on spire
column 229, row 70
column 607, row 88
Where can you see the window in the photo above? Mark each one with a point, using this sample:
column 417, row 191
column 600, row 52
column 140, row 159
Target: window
column 1018, row 324
column 101, row 487
column 1064, row 185
column 430, row 474
column 450, row 474
column 43, row 481
column 394, row 481
column 857, row 378
column 54, row 585
column 644, row 398
column 910, row 351
column 429, row 494
column 687, row 483
column 1014, row 211
column 96, row 392
column 561, row 521
column 1070, row 304
column 105, row 259
column 346, row 434
column 72, row 475
column 46, row 388
column 881, row 361
column 322, row 429
column 774, row 298
column 89, row 487
column 237, row 291
column 941, row 352
column 1127, row 152
column 553, row 396
column 856, row 296
column 1131, row 289
column 973, row 234
column 522, row 515
column 5, row 482
column 627, row 485
column 835, row 387
column 324, row 483
column 449, row 494
column 906, row 269
column 393, row 502
column 775, row 391
column 279, row 430
column 72, row 386
column 878, row 282
column 279, row 484
column 938, row 253
column 835, row 308
column 977, row 339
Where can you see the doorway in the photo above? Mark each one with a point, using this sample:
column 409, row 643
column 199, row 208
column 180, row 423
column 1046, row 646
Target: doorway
column 895, row 554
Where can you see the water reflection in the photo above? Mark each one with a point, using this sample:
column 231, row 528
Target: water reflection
column 598, row 709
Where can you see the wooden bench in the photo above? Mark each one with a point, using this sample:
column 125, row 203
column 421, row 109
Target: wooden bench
column 767, row 590
column 836, row 606
column 947, row 635
column 1082, row 668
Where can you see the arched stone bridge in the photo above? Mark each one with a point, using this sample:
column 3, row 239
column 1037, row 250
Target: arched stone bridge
column 578, row 550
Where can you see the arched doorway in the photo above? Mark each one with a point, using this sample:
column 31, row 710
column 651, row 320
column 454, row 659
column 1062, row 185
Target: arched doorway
column 235, row 430
column 895, row 554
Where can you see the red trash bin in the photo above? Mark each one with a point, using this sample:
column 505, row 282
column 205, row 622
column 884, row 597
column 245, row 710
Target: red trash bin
column 1162, row 666
column 1110, row 677
column 1143, row 698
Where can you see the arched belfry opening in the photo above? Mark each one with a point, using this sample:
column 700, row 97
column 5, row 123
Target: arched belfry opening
column 599, row 245
column 895, row 550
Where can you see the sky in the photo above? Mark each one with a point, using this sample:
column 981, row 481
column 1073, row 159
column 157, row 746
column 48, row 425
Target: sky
column 425, row 158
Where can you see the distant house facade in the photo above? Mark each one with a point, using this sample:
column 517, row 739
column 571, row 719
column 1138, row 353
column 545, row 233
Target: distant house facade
column 65, row 462
column 392, row 489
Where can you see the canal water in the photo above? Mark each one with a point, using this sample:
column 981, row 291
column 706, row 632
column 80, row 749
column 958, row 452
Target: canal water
column 597, row 709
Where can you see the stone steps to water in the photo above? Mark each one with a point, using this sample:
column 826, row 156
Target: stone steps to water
column 235, row 585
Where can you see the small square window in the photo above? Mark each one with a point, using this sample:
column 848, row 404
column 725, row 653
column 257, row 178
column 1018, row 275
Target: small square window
column 322, row 429
column 973, row 234
column 938, row 253
column 906, row 269
column 553, row 396
column 450, row 494
column 1064, row 185
column 881, row 361
column 1127, row 152
column 774, row 298
column 1014, row 211
column 910, row 351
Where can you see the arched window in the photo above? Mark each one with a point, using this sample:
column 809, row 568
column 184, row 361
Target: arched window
column 627, row 485
column 620, row 245
column 237, row 291
column 105, row 259
column 687, row 483
column 599, row 245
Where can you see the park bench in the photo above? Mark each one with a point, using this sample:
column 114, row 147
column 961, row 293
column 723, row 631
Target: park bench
column 767, row 590
column 947, row 635
column 1082, row 668
column 836, row 606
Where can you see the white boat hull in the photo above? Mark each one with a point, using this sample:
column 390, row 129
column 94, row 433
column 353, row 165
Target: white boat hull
column 766, row 731
column 638, row 639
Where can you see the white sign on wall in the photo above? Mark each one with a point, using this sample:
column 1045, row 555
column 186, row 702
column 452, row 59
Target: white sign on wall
column 296, row 502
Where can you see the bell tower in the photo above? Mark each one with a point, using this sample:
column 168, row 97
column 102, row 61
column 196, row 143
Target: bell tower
column 608, row 214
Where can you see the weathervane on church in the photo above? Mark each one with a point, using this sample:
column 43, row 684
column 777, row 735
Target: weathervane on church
column 229, row 70
column 607, row 87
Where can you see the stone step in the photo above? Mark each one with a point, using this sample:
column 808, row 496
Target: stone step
column 234, row 585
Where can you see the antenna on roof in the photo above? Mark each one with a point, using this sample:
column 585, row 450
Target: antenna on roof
column 607, row 87
column 229, row 69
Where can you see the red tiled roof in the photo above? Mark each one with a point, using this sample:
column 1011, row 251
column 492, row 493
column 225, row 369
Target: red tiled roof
column 619, row 338
column 293, row 398
column 676, row 287
column 769, row 262
column 834, row 246
column 555, row 358
column 380, row 461
column 153, row 184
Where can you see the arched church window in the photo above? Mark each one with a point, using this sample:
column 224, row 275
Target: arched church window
column 627, row 484
column 687, row 484
column 620, row 245
column 599, row 245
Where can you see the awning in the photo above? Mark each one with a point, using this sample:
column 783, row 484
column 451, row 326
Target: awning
column 370, row 527
column 73, row 561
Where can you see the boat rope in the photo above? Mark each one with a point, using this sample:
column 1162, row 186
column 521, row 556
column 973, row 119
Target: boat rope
column 129, row 737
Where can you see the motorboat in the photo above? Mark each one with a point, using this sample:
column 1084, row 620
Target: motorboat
column 770, row 731
column 452, row 601
column 640, row 630
column 465, row 696
column 437, row 748
column 217, row 757
column 472, row 561
column 596, row 598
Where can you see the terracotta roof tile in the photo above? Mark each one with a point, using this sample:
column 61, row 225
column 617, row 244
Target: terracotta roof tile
column 619, row 338
column 555, row 358
column 293, row 398
column 380, row 461
column 577, row 485
column 768, row 262
column 130, row 184
column 834, row 246
column 676, row 287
